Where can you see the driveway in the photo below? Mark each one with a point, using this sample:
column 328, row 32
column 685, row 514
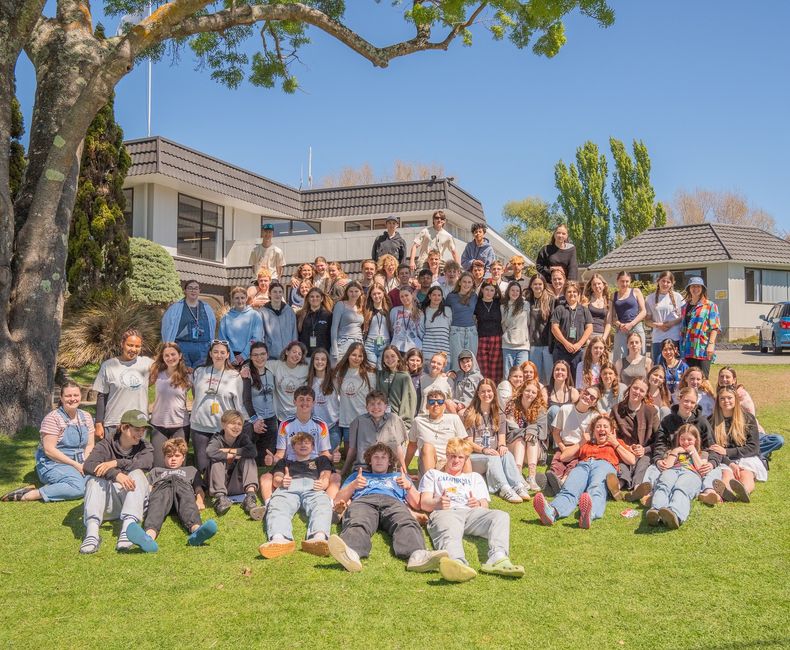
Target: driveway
column 741, row 357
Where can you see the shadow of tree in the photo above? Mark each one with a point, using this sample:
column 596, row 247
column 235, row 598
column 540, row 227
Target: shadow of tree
column 17, row 457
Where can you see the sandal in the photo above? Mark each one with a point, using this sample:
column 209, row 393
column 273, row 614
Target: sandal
column 90, row 545
column 16, row 495
column 503, row 567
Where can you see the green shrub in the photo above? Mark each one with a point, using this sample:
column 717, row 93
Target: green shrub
column 93, row 333
column 154, row 280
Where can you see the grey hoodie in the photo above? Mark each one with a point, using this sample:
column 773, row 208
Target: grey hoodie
column 466, row 382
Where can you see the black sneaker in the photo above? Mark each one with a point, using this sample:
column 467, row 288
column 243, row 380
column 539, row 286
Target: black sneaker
column 222, row 504
column 552, row 484
column 251, row 507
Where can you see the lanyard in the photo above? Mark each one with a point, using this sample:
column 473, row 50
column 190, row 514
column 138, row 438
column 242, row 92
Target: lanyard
column 211, row 379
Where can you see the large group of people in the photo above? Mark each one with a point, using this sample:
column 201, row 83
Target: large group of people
column 316, row 394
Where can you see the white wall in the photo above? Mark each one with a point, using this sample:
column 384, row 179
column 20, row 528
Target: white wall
column 745, row 318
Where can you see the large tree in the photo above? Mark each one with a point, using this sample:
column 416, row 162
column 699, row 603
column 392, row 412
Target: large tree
column 76, row 73
column 700, row 205
column 530, row 223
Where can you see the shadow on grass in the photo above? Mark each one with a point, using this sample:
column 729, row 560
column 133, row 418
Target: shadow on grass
column 645, row 529
column 16, row 454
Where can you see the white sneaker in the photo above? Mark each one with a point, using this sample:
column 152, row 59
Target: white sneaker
column 509, row 495
column 532, row 484
column 344, row 554
column 423, row 561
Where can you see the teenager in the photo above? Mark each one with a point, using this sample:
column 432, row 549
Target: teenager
column 450, row 277
column 437, row 318
column 396, row 385
column 387, row 270
column 673, row 365
column 347, row 320
column 560, row 390
column 321, row 378
column 425, row 280
column 66, row 440
column 463, row 330
column 169, row 414
column 404, row 282
column 588, row 372
column 279, row 321
column 465, row 380
column 558, row 253
column 658, row 392
column 664, row 313
column 478, row 272
column 488, row 316
column 266, row 255
column 629, row 312
column 571, row 327
column 304, row 273
column 516, row 266
column 355, row 377
column 525, row 429
column 700, row 327
column 414, row 366
column 430, row 433
column 596, row 298
column 379, row 499
column 258, row 293
column 375, row 324
column 478, row 249
column 121, row 384
column 190, row 323
column 116, row 487
column 694, row 378
column 530, row 371
column 321, row 277
column 336, row 283
column 585, row 485
column 433, row 239
column 541, row 305
column 314, row 321
column 390, row 242
column 436, row 378
column 635, row 364
column 368, row 271
column 508, row 387
column 240, row 326
column 490, row 454
column 458, row 503
column 258, row 398
column 289, row 373
column 612, row 390
column 406, row 322
column 375, row 426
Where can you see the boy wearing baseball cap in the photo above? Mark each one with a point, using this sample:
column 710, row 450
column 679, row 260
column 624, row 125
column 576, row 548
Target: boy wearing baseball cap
column 117, row 487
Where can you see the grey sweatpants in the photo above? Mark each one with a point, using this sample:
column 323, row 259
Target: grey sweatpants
column 233, row 479
column 106, row 500
column 448, row 527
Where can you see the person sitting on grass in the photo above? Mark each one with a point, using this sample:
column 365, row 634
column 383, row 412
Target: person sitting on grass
column 117, row 487
column 172, row 486
column 432, row 432
column 681, row 483
column 378, row 500
column 66, row 440
column 586, row 484
column 458, row 503
column 299, row 484
column 233, row 470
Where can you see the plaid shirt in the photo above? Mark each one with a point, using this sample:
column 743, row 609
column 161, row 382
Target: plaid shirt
column 703, row 318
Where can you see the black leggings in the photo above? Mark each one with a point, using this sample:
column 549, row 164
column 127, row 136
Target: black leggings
column 160, row 435
column 200, row 440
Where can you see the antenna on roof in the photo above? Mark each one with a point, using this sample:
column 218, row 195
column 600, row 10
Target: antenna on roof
column 310, row 168
column 301, row 175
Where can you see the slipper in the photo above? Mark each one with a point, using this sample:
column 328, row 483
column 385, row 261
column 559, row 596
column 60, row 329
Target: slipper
column 739, row 491
column 319, row 547
column 455, row 570
column 271, row 550
column 206, row 531
column 504, row 567
column 16, row 495
column 90, row 545
column 140, row 538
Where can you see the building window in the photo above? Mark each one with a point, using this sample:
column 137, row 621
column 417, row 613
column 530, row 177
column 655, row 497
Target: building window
column 767, row 285
column 357, row 225
column 292, row 227
column 420, row 223
column 128, row 211
column 200, row 226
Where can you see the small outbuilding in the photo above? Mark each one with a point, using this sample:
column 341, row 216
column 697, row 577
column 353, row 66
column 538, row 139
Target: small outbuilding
column 746, row 269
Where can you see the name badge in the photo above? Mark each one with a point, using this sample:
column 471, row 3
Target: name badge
column 572, row 333
column 313, row 342
column 379, row 340
column 214, row 408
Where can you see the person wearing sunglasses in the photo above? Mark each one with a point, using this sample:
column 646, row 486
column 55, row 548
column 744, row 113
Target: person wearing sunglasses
column 433, row 239
column 431, row 432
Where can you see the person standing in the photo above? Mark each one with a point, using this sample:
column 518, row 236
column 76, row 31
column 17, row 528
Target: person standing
column 390, row 242
column 240, row 326
column 266, row 255
column 664, row 307
column 191, row 323
column 279, row 321
column 515, row 327
column 629, row 312
column 314, row 321
column 478, row 249
column 559, row 253
column 433, row 239
column 700, row 327
column 571, row 326
column 516, row 267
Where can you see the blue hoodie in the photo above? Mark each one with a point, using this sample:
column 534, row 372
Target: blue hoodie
column 472, row 252
column 240, row 329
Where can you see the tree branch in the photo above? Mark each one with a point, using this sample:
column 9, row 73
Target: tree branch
column 75, row 13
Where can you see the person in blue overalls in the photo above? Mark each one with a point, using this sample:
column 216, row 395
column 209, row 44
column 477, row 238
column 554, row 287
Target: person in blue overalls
column 66, row 440
column 190, row 323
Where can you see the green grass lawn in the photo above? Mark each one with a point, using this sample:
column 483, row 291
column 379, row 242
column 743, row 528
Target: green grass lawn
column 718, row 582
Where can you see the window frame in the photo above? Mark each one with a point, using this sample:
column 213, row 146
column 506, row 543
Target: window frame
column 757, row 275
column 128, row 211
column 203, row 228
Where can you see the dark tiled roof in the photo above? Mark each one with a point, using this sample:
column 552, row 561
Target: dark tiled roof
column 159, row 155
column 693, row 244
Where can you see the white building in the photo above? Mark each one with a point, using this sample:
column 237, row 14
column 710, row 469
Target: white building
column 208, row 214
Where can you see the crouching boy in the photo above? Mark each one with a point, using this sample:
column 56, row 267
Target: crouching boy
column 300, row 484
column 378, row 502
column 233, row 471
column 458, row 503
column 173, row 485
column 117, row 487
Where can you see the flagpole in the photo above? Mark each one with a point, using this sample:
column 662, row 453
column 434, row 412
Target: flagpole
column 149, row 83
column 310, row 168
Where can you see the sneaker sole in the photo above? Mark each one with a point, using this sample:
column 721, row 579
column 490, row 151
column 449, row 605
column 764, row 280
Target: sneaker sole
column 585, row 510
column 553, row 483
column 454, row 571
column 720, row 487
column 540, row 505
column 709, row 499
column 431, row 565
column 613, row 485
column 271, row 551
column 669, row 518
column 739, row 491
column 639, row 492
column 337, row 549
column 652, row 518
column 319, row 547
column 256, row 513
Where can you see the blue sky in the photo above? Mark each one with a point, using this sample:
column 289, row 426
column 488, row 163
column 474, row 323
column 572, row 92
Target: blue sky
column 704, row 84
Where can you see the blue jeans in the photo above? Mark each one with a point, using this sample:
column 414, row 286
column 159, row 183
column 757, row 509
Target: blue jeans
column 513, row 358
column 500, row 471
column 63, row 482
column 336, row 435
column 374, row 352
column 345, row 435
column 588, row 476
column 195, row 352
column 461, row 338
column 540, row 355
column 675, row 489
column 770, row 442
column 285, row 503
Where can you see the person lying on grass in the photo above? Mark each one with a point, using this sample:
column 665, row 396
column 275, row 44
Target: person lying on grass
column 586, row 484
column 378, row 499
column 117, row 487
column 678, row 485
column 458, row 503
column 299, row 484
column 233, row 470
column 172, row 486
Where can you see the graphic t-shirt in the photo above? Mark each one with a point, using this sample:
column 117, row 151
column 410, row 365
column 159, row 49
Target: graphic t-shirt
column 126, row 383
column 458, row 487
column 315, row 427
column 304, row 468
column 186, row 473
column 378, row 484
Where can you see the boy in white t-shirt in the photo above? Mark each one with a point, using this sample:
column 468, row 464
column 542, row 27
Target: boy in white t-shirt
column 458, row 503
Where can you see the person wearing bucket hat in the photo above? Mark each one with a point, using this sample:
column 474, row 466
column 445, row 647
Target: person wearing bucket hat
column 117, row 487
column 700, row 326
column 390, row 242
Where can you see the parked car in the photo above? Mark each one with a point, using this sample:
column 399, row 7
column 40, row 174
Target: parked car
column 775, row 328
